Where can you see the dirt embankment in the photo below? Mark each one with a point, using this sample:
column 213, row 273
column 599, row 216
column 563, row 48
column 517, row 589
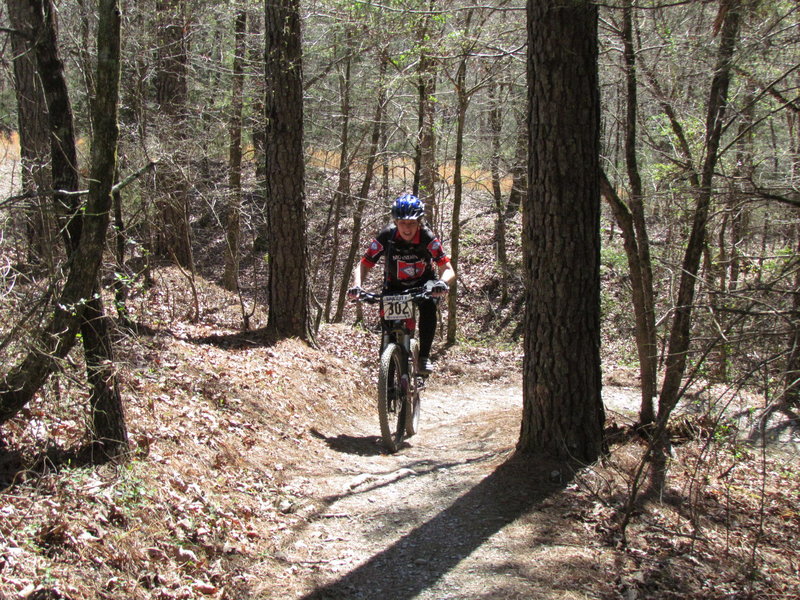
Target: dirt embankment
column 258, row 473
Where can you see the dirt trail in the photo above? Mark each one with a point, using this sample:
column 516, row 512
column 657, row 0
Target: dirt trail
column 451, row 515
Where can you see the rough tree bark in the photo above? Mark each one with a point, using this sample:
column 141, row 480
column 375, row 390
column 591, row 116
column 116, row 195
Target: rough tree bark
column 34, row 136
column 285, row 191
column 562, row 408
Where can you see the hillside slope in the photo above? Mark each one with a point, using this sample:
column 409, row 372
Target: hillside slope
column 257, row 473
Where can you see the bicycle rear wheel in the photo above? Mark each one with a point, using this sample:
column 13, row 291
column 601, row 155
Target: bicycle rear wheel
column 393, row 385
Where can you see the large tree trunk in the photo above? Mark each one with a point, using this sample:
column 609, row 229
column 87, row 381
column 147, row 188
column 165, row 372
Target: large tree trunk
column 562, row 407
column 285, row 199
column 34, row 137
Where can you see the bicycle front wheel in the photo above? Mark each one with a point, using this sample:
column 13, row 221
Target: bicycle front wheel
column 393, row 387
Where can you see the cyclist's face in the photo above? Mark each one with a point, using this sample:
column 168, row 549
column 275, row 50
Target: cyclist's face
column 408, row 228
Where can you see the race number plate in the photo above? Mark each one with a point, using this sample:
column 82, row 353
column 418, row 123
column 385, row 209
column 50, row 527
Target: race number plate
column 398, row 307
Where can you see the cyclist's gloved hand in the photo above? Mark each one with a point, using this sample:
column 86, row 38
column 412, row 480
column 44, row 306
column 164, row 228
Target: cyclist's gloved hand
column 437, row 288
column 354, row 292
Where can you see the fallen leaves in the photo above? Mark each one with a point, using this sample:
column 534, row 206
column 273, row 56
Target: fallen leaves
column 215, row 490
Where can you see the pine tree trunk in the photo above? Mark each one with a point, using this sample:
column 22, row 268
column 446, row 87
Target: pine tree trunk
column 286, row 212
column 34, row 137
column 562, row 407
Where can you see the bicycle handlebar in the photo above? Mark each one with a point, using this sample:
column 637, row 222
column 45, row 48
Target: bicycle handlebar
column 371, row 298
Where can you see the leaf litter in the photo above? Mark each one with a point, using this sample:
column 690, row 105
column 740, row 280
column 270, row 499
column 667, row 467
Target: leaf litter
column 256, row 473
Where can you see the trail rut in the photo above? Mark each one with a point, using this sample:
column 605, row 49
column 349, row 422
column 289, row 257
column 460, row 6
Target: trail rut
column 453, row 514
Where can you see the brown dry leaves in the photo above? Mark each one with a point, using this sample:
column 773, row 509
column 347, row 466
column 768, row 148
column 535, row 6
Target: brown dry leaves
column 223, row 427
column 215, row 427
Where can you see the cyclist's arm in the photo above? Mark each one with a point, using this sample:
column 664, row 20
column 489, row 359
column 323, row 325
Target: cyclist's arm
column 447, row 273
column 361, row 273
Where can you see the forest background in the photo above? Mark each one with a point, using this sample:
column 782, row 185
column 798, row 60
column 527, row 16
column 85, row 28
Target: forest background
column 429, row 97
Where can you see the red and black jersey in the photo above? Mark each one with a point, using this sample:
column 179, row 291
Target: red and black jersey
column 407, row 264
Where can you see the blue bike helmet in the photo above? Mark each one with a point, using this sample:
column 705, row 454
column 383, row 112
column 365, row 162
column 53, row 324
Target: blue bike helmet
column 408, row 207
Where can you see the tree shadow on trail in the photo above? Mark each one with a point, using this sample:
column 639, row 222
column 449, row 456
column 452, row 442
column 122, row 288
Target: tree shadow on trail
column 253, row 338
column 426, row 554
column 778, row 424
column 368, row 445
column 18, row 465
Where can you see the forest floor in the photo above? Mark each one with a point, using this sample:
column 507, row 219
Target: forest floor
column 453, row 514
column 257, row 473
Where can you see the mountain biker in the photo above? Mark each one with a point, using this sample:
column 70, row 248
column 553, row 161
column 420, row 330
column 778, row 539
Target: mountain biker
column 410, row 250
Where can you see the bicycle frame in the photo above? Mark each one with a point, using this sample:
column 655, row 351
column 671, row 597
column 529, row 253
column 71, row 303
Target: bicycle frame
column 399, row 382
column 399, row 331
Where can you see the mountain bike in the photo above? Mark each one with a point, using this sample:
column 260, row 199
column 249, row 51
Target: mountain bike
column 399, row 381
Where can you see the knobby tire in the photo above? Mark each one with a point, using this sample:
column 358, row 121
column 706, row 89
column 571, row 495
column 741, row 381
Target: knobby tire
column 391, row 397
